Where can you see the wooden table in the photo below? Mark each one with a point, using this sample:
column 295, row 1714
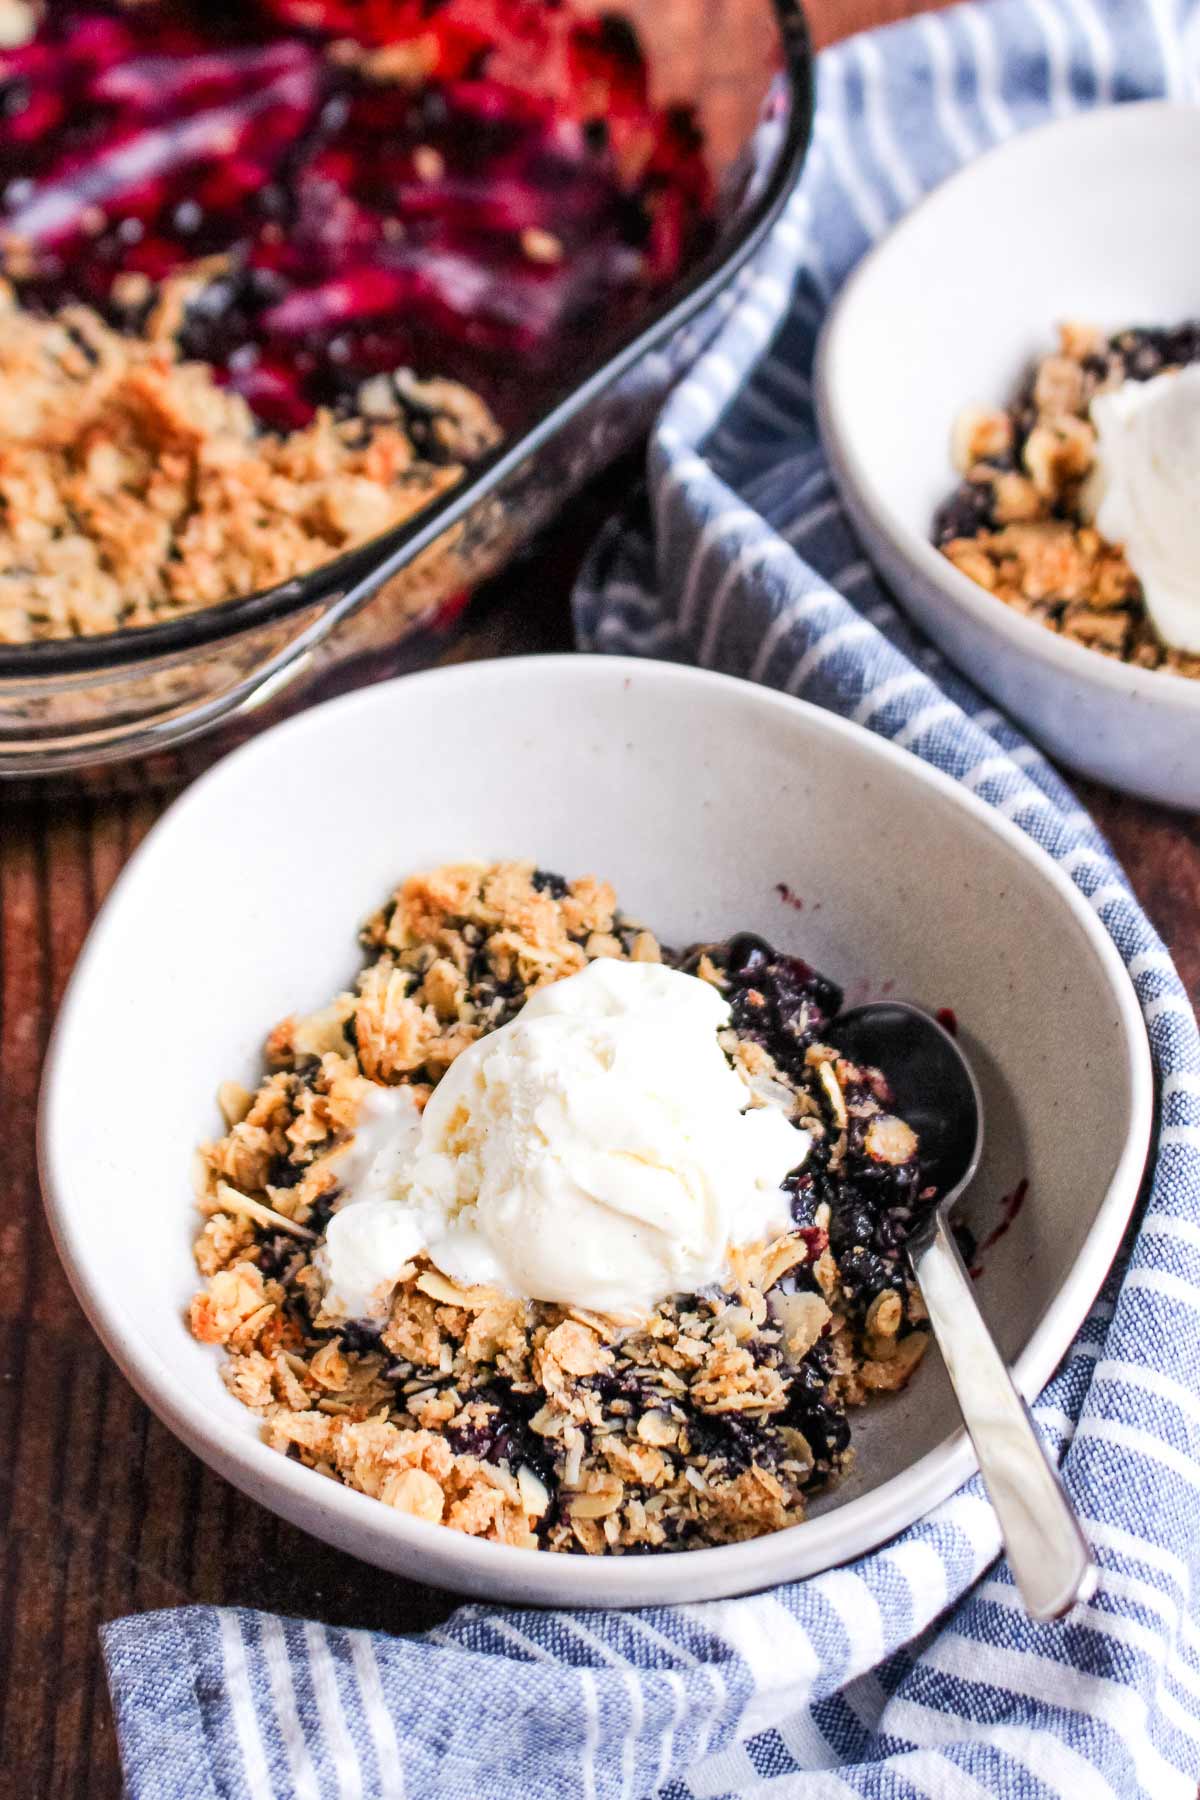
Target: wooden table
column 102, row 1512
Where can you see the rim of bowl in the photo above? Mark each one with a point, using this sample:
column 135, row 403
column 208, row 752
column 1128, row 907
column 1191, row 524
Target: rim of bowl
column 828, row 1538
column 352, row 577
column 836, row 345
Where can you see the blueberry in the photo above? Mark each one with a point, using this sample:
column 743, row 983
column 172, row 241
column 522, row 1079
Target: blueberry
column 281, row 1173
column 745, row 953
column 853, row 1223
column 864, row 1274
column 548, row 883
column 725, row 1438
column 1145, row 352
column 825, row 1430
column 1183, row 344
column 965, row 514
column 892, row 1230
column 619, row 40
column 320, row 1211
column 505, row 1437
column 359, row 1337
column 274, row 1254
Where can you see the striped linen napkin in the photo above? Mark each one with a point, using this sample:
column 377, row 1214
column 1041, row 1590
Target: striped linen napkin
column 912, row 1672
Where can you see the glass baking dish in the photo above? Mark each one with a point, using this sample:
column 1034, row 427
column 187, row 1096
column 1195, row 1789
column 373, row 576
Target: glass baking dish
column 81, row 708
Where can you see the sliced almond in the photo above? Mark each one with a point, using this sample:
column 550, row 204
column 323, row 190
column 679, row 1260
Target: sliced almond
column 798, row 1447
column 413, row 1491
column 738, row 1321
column 837, row 1100
column 884, row 1315
column 890, row 1140
column 784, row 1254
column 234, row 1101
column 658, row 1428
column 535, row 1496
column 885, row 1375
column 232, row 1201
column 597, row 1505
column 324, row 1030
column 573, row 1466
column 438, row 1288
column 605, row 1325
column 802, row 1317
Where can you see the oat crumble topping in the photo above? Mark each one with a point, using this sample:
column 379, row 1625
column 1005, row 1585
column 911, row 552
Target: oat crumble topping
column 133, row 488
column 1015, row 524
column 709, row 1422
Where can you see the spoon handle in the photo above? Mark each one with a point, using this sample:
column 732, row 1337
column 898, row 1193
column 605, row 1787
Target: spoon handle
column 1047, row 1552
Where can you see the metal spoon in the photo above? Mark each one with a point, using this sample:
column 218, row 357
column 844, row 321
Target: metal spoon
column 934, row 1088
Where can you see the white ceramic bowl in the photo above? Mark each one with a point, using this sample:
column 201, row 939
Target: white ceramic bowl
column 1090, row 218
column 697, row 795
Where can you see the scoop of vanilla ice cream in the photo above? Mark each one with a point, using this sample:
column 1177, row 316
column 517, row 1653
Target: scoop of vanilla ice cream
column 1144, row 493
column 600, row 1151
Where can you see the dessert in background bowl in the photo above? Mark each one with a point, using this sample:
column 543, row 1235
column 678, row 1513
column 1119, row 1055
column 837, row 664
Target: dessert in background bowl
column 592, row 763
column 1084, row 219
column 1080, row 503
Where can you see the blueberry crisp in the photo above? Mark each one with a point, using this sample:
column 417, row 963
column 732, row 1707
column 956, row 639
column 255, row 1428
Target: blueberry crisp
column 706, row 1414
column 274, row 275
column 1078, row 503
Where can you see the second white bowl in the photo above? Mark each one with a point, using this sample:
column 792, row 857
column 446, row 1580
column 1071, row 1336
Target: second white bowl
column 1089, row 218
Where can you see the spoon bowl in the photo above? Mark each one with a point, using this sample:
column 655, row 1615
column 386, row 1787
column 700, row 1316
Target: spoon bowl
column 934, row 1088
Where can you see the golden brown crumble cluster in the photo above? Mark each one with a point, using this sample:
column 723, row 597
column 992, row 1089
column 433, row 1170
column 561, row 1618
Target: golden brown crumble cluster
column 133, row 488
column 1017, row 524
column 523, row 1422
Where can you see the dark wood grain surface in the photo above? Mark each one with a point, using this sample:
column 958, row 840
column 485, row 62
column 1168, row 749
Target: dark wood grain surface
column 102, row 1513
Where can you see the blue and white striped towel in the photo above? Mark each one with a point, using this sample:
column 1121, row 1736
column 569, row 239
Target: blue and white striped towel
column 912, row 1672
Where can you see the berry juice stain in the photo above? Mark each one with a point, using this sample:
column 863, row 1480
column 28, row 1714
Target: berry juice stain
column 1010, row 1207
